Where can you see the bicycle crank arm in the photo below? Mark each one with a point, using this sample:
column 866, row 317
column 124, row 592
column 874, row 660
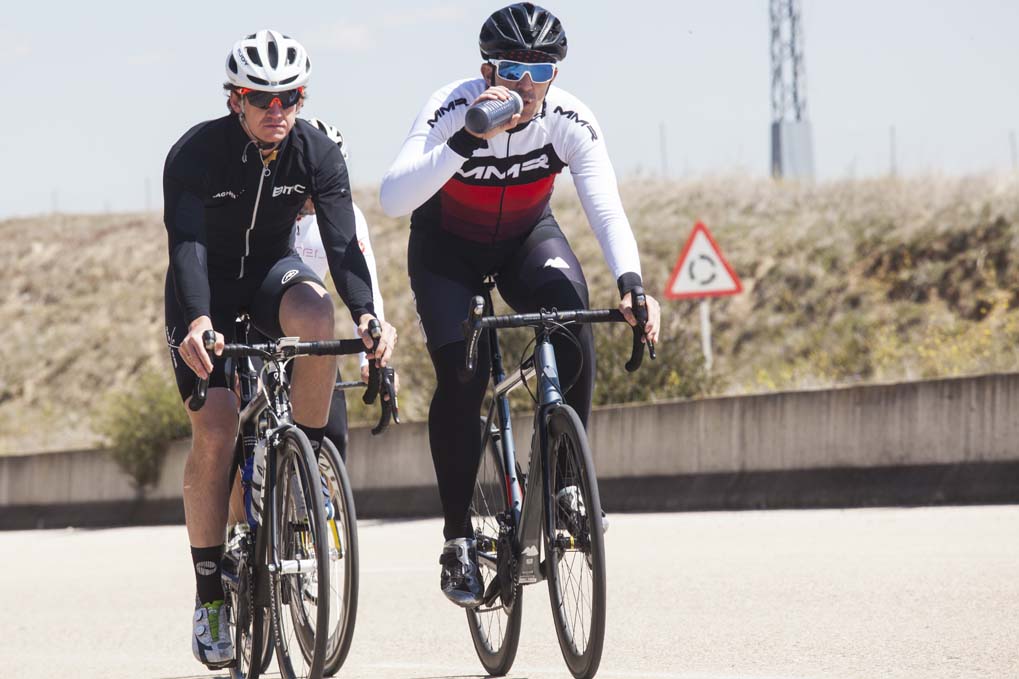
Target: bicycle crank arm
column 488, row 560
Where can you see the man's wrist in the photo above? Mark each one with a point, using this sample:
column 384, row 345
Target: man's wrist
column 202, row 320
column 628, row 281
column 465, row 144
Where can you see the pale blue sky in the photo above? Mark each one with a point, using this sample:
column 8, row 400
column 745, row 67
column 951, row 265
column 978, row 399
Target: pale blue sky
column 96, row 93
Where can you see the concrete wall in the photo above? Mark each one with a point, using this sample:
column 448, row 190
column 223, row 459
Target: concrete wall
column 950, row 440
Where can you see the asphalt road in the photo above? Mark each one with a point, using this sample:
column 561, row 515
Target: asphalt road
column 862, row 594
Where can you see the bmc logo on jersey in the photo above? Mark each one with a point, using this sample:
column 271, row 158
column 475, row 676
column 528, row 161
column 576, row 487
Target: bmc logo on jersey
column 288, row 275
column 512, row 172
column 443, row 110
column 572, row 115
column 287, row 190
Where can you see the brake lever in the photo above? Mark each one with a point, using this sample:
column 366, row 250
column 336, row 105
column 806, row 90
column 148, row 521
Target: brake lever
column 372, row 392
column 640, row 337
column 390, row 406
column 201, row 389
column 472, row 333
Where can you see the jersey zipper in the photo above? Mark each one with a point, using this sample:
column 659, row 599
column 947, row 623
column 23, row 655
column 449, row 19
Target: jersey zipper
column 254, row 213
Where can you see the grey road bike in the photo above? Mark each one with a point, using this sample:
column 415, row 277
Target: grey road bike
column 546, row 524
column 290, row 568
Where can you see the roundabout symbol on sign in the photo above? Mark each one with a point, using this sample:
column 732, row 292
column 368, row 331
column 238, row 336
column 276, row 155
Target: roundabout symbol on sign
column 704, row 266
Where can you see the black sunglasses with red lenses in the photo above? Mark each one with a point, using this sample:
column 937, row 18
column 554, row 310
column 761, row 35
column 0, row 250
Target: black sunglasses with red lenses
column 260, row 99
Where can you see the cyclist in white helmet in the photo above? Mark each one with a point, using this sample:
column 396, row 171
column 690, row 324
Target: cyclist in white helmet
column 308, row 244
column 232, row 189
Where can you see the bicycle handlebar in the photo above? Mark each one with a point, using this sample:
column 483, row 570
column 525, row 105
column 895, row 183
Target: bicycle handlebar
column 476, row 322
column 289, row 347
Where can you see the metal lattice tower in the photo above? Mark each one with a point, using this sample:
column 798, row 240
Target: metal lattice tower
column 791, row 147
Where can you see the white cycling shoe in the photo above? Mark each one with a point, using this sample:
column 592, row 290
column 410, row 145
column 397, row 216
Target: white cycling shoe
column 213, row 639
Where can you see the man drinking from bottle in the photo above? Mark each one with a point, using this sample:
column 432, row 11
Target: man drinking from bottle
column 479, row 205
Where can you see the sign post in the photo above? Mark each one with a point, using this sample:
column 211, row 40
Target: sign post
column 701, row 272
column 706, row 332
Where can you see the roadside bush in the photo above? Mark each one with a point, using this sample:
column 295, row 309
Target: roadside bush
column 140, row 422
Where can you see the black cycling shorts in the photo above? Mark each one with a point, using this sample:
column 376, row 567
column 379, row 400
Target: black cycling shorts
column 447, row 271
column 258, row 294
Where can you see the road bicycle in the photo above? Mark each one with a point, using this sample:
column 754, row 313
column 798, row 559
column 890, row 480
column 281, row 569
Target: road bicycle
column 290, row 568
column 547, row 524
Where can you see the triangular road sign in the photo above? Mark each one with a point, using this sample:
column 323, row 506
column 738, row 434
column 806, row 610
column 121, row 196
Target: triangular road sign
column 701, row 270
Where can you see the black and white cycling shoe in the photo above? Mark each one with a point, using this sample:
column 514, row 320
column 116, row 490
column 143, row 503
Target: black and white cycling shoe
column 460, row 580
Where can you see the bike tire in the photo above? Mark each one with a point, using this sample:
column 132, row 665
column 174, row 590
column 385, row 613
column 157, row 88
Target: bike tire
column 299, row 533
column 495, row 628
column 575, row 552
column 344, row 568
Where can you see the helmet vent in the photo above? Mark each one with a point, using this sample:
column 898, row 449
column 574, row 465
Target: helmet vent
column 274, row 54
column 232, row 64
column 253, row 55
column 258, row 81
column 287, row 81
column 291, row 55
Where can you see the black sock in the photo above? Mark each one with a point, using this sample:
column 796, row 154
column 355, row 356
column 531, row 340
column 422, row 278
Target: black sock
column 207, row 573
column 315, row 435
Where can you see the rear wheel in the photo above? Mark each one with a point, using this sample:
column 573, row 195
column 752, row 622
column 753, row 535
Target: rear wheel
column 575, row 552
column 299, row 546
column 495, row 625
column 343, row 565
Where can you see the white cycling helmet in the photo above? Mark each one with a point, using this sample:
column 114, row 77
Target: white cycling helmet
column 331, row 132
column 268, row 61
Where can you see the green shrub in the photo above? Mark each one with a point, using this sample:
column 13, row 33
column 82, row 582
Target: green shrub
column 140, row 422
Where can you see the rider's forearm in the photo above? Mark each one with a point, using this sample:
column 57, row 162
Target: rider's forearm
column 416, row 176
column 599, row 196
column 191, row 278
column 436, row 147
column 184, row 217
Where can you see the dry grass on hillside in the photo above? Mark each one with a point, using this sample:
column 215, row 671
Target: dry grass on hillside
column 844, row 282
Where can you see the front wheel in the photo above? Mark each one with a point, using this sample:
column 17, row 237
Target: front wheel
column 299, row 554
column 575, row 551
column 253, row 631
column 495, row 625
column 343, row 564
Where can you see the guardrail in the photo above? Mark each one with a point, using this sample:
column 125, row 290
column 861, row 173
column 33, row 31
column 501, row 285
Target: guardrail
column 930, row 442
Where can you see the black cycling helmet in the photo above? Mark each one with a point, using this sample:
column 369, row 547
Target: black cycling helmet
column 522, row 27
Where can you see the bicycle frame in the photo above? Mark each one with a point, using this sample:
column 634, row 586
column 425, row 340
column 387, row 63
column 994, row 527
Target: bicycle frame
column 254, row 427
column 526, row 507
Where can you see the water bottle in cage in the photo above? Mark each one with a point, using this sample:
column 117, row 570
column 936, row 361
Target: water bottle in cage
column 254, row 481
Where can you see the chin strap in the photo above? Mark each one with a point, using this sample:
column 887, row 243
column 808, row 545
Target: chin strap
column 259, row 144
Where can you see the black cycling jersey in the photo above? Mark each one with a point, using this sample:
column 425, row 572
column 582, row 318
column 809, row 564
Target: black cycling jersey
column 224, row 209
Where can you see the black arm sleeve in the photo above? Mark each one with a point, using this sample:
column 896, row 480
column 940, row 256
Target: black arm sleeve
column 334, row 209
column 184, row 217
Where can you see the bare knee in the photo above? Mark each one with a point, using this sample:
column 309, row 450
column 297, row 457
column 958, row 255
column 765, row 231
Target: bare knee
column 213, row 432
column 307, row 312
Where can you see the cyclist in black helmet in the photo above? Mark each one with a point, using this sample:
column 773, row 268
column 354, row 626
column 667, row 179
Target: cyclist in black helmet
column 479, row 206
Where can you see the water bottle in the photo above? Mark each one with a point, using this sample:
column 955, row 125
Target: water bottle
column 254, row 478
column 491, row 113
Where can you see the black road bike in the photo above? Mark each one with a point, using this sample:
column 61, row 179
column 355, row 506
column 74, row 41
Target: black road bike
column 290, row 569
column 547, row 524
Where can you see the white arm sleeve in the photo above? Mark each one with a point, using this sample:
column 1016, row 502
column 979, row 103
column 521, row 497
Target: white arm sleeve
column 580, row 143
column 369, row 256
column 425, row 162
